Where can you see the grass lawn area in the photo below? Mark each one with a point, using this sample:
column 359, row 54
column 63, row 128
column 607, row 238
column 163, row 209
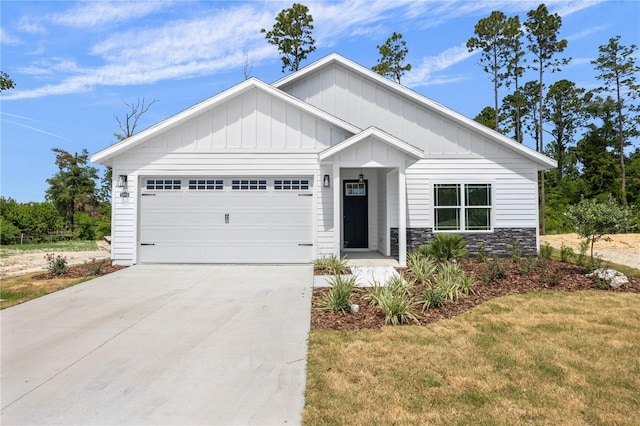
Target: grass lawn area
column 548, row 357
column 57, row 246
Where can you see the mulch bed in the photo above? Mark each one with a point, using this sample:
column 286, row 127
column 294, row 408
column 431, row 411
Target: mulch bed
column 555, row 276
column 82, row 271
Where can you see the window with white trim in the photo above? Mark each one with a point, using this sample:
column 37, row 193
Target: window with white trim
column 163, row 184
column 291, row 184
column 462, row 207
column 206, row 184
column 248, row 184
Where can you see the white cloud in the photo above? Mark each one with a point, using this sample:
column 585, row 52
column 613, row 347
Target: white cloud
column 7, row 39
column 91, row 14
column 423, row 74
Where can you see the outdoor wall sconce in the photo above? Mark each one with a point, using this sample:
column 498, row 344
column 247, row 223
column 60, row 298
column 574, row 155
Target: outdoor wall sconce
column 326, row 182
column 360, row 178
column 122, row 181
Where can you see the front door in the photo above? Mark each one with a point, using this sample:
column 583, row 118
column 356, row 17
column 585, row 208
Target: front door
column 356, row 214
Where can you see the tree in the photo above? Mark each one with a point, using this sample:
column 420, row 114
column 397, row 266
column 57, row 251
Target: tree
column 542, row 33
column 598, row 162
column 515, row 55
column 594, row 219
column 291, row 33
column 492, row 40
column 564, row 109
column 130, row 123
column 392, row 56
column 487, row 117
column 6, row 82
column 73, row 188
column 616, row 64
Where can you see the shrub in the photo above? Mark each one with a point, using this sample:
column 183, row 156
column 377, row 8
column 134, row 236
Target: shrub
column 482, row 252
column 451, row 281
column 445, row 247
column 9, row 233
column 516, row 251
column 396, row 307
column 581, row 260
column 85, row 225
column 332, row 265
column 338, row 299
column 545, row 251
column 421, row 267
column 566, row 253
column 495, row 271
column 57, row 265
column 526, row 265
column 432, row 296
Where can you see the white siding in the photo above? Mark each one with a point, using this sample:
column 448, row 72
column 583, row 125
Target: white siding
column 324, row 197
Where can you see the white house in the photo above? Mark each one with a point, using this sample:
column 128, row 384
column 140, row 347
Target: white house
column 331, row 158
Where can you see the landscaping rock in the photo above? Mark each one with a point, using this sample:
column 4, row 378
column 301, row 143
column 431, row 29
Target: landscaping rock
column 611, row 277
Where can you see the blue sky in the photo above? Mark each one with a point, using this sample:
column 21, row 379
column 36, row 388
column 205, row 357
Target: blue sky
column 76, row 63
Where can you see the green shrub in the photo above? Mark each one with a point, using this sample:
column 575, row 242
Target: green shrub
column 85, row 226
column 57, row 265
column 495, row 270
column 432, row 296
column 421, row 267
column 332, row 265
column 396, row 307
column 452, row 282
column 338, row 299
column 482, row 252
column 516, row 251
column 545, row 251
column 445, row 247
column 527, row 265
column 566, row 253
column 398, row 285
column 9, row 233
column 581, row 260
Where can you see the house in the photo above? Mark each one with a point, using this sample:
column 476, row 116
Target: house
column 331, row 158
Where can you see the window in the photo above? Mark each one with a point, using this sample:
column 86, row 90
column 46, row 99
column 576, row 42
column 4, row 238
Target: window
column 163, row 184
column 462, row 207
column 248, row 184
column 291, row 184
column 206, row 184
column 355, row 189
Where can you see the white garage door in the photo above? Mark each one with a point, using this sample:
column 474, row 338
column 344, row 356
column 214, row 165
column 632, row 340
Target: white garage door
column 226, row 220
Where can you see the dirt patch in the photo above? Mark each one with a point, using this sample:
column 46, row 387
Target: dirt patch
column 623, row 249
column 550, row 275
column 34, row 261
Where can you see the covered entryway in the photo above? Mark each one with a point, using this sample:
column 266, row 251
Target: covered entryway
column 385, row 158
column 226, row 220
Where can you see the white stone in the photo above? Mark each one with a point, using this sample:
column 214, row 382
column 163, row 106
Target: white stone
column 613, row 278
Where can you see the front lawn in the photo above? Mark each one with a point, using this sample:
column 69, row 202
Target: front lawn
column 545, row 357
column 57, row 246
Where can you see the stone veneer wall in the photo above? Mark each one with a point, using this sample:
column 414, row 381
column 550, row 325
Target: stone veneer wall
column 496, row 242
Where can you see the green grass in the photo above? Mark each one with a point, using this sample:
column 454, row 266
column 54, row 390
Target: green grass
column 627, row 270
column 73, row 245
column 539, row 358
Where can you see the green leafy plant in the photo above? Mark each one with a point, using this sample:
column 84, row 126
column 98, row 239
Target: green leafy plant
column 482, row 252
column 495, row 270
column 421, row 267
column 545, row 251
column 396, row 307
column 566, row 253
column 581, row 259
column 432, row 295
column 527, row 265
column 516, row 251
column 332, row 265
column 96, row 267
column 338, row 298
column 57, row 265
column 445, row 247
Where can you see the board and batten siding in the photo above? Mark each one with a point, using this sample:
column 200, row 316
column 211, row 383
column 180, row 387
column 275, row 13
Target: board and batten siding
column 452, row 152
column 250, row 135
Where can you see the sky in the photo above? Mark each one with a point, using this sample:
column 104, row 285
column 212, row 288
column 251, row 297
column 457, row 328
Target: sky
column 76, row 64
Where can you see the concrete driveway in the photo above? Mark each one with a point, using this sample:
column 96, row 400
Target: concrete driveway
column 161, row 344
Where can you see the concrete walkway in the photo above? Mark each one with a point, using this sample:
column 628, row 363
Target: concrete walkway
column 160, row 344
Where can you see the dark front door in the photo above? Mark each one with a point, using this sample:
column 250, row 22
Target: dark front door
column 356, row 214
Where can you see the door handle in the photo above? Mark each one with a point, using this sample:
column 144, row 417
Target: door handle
column 226, row 218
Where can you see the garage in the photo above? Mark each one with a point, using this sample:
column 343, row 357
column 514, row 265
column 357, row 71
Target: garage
column 226, row 220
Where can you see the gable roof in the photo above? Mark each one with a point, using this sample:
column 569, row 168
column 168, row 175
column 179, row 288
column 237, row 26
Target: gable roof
column 378, row 134
column 543, row 162
column 103, row 156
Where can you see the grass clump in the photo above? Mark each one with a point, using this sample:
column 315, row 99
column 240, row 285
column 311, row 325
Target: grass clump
column 420, row 266
column 545, row 251
column 395, row 300
column 445, row 247
column 338, row 298
column 332, row 265
column 566, row 253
